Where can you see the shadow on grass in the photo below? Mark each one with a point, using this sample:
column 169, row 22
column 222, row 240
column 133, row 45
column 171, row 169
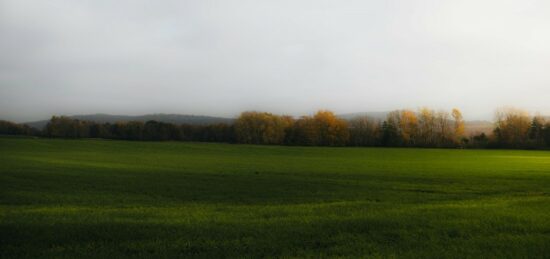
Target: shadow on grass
column 384, row 237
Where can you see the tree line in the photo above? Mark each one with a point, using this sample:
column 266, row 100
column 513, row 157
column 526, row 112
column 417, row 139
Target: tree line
column 401, row 128
column 65, row 127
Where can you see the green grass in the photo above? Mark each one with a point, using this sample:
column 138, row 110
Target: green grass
column 96, row 198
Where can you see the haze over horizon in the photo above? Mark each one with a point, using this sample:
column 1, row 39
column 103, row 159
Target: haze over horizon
column 219, row 58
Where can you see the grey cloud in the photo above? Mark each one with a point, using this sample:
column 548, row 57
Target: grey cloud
column 222, row 57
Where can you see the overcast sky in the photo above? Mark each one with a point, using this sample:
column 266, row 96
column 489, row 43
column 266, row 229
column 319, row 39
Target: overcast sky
column 222, row 57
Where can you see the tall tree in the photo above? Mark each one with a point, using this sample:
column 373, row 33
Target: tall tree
column 391, row 133
column 261, row 128
column 332, row 131
column 536, row 131
column 426, row 121
column 459, row 128
column 364, row 131
column 408, row 123
column 546, row 134
column 443, row 130
column 512, row 127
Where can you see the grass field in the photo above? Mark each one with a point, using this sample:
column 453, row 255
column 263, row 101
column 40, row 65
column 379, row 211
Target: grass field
column 97, row 199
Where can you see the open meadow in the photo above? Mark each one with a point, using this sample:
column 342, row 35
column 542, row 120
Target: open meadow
column 100, row 198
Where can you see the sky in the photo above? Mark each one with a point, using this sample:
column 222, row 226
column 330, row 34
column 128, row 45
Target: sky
column 292, row 57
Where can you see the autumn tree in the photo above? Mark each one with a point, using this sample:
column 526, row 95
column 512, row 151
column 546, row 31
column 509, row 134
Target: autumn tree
column 323, row 129
column 458, row 123
column 444, row 133
column 512, row 127
column 332, row 131
column 261, row 128
column 408, row 124
column 426, row 127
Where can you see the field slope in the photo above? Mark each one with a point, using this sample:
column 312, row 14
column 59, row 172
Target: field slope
column 97, row 199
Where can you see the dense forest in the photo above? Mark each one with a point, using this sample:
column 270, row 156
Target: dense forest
column 401, row 128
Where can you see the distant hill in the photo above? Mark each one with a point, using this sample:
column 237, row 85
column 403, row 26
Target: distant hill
column 374, row 115
column 168, row 118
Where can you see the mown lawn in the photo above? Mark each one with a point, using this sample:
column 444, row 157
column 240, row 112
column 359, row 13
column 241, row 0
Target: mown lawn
column 99, row 198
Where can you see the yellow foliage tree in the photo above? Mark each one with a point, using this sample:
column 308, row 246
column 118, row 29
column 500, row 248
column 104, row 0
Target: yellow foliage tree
column 408, row 123
column 512, row 127
column 332, row 130
column 459, row 127
column 261, row 128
